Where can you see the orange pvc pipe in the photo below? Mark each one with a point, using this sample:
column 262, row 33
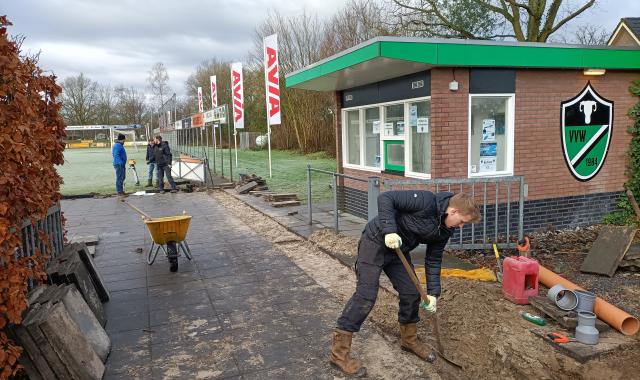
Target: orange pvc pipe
column 618, row 319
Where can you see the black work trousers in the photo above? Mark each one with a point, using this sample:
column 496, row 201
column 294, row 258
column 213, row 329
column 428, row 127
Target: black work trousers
column 373, row 259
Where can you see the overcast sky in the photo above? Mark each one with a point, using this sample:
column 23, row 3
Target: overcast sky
column 117, row 41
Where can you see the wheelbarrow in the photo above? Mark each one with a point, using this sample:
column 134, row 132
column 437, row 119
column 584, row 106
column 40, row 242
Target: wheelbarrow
column 167, row 233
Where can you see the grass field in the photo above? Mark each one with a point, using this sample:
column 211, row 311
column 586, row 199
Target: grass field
column 90, row 170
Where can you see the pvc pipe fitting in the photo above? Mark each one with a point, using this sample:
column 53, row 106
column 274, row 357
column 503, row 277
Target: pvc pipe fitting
column 564, row 298
column 586, row 300
column 586, row 332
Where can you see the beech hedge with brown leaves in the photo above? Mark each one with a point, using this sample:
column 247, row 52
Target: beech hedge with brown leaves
column 31, row 132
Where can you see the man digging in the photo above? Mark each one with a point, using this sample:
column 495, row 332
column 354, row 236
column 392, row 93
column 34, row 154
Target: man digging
column 405, row 219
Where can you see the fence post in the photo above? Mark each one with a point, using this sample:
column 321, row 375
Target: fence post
column 334, row 186
column 309, row 203
column 373, row 190
column 521, row 211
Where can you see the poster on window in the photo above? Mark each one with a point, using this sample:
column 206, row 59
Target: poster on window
column 388, row 129
column 413, row 116
column 400, row 127
column 488, row 149
column 488, row 130
column 423, row 125
column 376, row 127
column 487, row 164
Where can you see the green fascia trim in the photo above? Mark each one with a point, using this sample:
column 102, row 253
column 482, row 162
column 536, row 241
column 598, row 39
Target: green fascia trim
column 477, row 55
column 363, row 54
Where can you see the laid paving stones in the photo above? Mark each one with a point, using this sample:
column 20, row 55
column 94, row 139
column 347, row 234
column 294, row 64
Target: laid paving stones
column 240, row 308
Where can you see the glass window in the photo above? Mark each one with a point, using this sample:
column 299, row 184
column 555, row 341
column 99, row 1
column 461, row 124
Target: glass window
column 489, row 134
column 419, row 118
column 353, row 137
column 372, row 137
column 394, row 120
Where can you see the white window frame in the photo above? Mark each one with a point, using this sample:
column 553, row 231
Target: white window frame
column 406, row 137
column 408, row 172
column 510, row 129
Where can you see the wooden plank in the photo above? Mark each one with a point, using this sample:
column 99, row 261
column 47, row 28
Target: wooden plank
column 608, row 249
column 52, row 358
column 633, row 252
column 33, row 352
column 98, row 283
column 246, row 188
column 88, row 240
column 78, row 275
column 609, row 341
column 566, row 319
column 71, row 345
column 286, row 204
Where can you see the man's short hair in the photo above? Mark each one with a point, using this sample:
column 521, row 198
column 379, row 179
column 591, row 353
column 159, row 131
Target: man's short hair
column 121, row 136
column 466, row 205
column 159, row 138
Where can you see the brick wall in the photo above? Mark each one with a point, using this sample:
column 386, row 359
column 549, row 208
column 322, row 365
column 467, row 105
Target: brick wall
column 555, row 197
column 538, row 146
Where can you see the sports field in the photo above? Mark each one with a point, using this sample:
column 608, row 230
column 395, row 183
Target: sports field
column 90, row 170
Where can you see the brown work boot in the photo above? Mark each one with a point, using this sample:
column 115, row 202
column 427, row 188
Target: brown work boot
column 411, row 343
column 340, row 354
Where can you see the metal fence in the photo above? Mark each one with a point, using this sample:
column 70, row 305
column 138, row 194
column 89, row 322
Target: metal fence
column 500, row 199
column 501, row 202
column 51, row 225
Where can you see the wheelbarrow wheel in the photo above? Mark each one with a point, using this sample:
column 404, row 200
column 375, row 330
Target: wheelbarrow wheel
column 172, row 254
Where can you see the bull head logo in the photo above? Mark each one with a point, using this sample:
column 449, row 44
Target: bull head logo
column 587, row 107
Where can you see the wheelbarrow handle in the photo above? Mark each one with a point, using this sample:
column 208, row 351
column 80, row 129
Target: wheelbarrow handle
column 144, row 215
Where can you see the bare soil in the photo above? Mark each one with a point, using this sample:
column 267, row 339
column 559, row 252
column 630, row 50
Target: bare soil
column 478, row 327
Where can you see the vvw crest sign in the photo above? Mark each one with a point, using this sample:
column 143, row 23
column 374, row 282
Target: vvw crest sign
column 586, row 125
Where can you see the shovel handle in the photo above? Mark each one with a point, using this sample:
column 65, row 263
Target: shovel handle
column 144, row 215
column 412, row 275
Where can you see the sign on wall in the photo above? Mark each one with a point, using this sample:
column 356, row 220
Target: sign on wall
column 238, row 95
column 586, row 125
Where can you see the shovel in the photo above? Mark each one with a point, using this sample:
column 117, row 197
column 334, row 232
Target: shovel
column 499, row 272
column 425, row 300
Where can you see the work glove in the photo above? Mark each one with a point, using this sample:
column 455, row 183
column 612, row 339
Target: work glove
column 392, row 241
column 431, row 307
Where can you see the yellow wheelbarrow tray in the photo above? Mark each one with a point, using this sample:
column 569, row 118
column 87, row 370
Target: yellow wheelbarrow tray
column 169, row 232
column 169, row 228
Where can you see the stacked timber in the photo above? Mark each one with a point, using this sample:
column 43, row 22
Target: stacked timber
column 62, row 330
column 250, row 182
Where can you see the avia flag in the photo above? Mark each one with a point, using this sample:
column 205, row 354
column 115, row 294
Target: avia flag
column 272, row 78
column 214, row 91
column 238, row 95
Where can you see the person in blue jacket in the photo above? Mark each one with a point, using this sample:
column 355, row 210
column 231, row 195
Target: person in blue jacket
column 119, row 163
column 405, row 219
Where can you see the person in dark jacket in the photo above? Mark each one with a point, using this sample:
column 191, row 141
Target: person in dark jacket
column 119, row 162
column 151, row 162
column 405, row 219
column 163, row 158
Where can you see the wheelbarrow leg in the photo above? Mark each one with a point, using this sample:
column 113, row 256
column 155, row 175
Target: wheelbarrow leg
column 151, row 256
column 185, row 248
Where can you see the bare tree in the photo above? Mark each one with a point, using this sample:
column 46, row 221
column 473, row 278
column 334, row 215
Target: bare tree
column 590, row 34
column 130, row 105
column 532, row 20
column 158, row 83
column 79, row 97
column 105, row 107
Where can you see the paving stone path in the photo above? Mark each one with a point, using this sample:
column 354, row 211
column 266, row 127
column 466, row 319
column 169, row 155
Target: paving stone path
column 239, row 309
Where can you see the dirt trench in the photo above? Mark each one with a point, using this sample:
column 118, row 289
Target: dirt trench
column 478, row 327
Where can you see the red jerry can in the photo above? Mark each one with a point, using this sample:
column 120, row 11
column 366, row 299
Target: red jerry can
column 519, row 279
